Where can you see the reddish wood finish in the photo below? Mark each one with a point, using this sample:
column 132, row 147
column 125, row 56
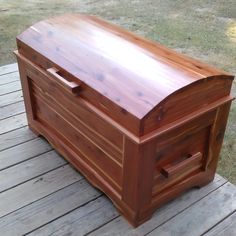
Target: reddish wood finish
column 140, row 121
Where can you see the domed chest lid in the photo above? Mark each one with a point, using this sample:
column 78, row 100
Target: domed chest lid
column 131, row 72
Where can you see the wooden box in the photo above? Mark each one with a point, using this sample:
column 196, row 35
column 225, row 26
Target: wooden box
column 140, row 121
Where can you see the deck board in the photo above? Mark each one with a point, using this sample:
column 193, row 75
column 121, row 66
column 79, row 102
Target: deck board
column 8, row 69
column 12, row 110
column 225, row 228
column 162, row 215
column 15, row 137
column 47, row 209
column 10, row 98
column 37, row 188
column 23, row 152
column 10, row 87
column 207, row 212
column 9, row 78
column 41, row 194
column 29, row 169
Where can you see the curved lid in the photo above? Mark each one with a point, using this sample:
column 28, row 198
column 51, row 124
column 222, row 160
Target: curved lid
column 134, row 73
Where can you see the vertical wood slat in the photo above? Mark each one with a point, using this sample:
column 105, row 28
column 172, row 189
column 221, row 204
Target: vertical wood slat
column 26, row 91
column 216, row 137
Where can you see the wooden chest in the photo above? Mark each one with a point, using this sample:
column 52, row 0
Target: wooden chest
column 140, row 121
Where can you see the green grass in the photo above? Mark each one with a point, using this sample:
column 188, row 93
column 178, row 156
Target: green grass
column 203, row 29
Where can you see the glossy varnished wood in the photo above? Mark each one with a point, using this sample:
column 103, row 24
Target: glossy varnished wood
column 140, row 121
column 41, row 195
column 128, row 80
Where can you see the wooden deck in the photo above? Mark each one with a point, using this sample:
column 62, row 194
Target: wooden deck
column 41, row 194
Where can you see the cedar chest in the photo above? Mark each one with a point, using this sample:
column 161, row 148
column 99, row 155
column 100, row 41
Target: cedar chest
column 140, row 121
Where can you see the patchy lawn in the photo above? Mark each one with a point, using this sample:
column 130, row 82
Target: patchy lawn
column 203, row 29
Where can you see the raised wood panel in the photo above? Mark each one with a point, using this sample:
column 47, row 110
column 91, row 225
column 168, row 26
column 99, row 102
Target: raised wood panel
column 76, row 106
column 91, row 153
column 82, row 128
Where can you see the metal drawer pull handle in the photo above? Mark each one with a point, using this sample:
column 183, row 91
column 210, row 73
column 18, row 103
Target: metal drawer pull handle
column 168, row 170
column 73, row 87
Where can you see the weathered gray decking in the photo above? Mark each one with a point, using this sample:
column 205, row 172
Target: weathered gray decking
column 40, row 194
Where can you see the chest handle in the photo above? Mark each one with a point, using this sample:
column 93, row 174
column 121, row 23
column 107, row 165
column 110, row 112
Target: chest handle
column 70, row 86
column 170, row 170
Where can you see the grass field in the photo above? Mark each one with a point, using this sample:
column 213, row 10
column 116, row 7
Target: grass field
column 203, row 29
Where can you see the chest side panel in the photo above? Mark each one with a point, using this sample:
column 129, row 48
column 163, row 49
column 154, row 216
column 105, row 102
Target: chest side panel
column 72, row 119
column 187, row 100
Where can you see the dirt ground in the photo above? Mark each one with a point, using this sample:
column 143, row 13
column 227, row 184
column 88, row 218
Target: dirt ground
column 203, row 29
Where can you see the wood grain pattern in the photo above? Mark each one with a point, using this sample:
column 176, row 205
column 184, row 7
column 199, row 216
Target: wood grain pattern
column 9, row 78
column 130, row 122
column 119, row 226
column 205, row 216
column 10, row 98
column 10, row 87
column 12, row 123
column 226, row 227
column 81, row 221
column 32, row 168
column 15, row 137
column 22, row 152
column 8, row 69
column 47, row 209
column 12, row 109
column 36, row 188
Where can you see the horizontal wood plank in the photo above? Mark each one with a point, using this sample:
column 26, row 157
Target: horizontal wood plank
column 10, row 87
column 8, row 68
column 82, row 220
column 37, row 188
column 23, row 152
column 32, row 168
column 8, row 78
column 48, row 209
column 10, row 98
column 163, row 214
column 225, row 228
column 12, row 110
column 16, row 137
column 12, row 123
column 201, row 216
